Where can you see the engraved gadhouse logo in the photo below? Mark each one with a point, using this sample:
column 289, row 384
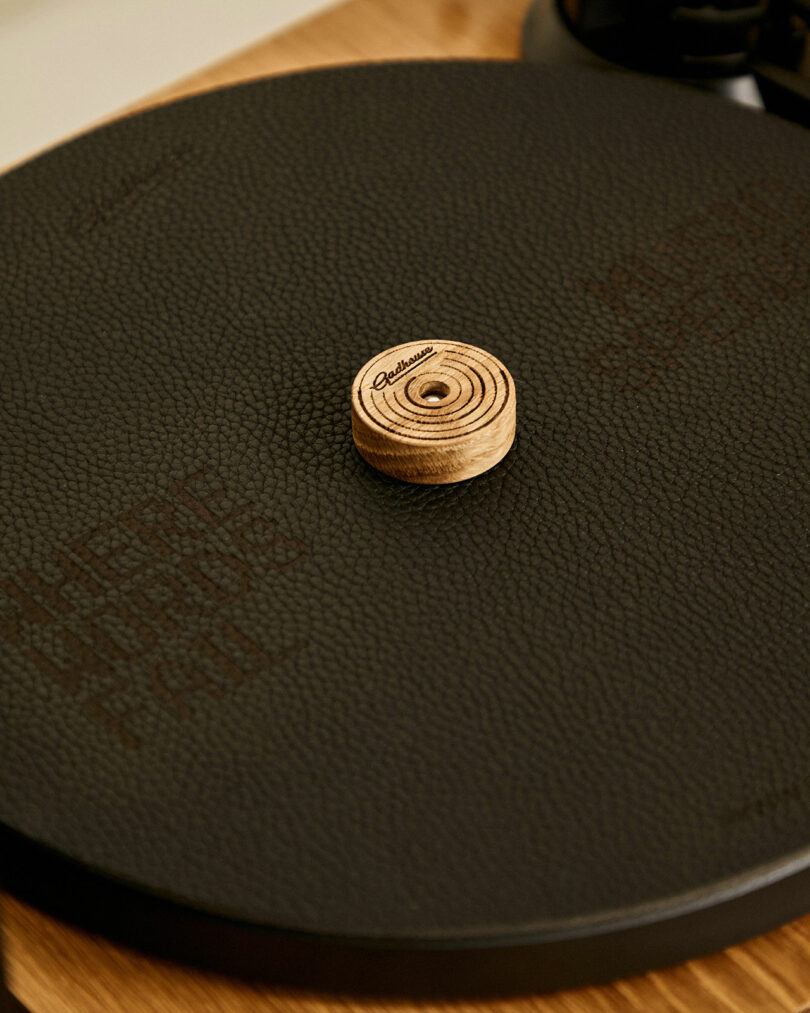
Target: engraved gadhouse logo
column 385, row 379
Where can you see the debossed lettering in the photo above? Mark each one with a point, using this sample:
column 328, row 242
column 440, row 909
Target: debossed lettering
column 704, row 280
column 103, row 208
column 103, row 618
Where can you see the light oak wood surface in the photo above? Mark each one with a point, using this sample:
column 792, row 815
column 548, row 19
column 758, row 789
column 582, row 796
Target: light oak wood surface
column 423, row 413
column 58, row 969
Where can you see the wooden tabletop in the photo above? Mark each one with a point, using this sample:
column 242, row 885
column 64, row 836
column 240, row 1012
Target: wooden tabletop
column 58, row 969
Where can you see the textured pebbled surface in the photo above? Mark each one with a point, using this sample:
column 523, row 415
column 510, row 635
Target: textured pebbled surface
column 242, row 669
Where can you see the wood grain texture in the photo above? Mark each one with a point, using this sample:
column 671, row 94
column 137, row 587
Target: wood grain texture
column 433, row 414
column 58, row 969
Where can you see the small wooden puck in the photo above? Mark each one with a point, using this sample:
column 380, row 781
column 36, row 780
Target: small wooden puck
column 433, row 413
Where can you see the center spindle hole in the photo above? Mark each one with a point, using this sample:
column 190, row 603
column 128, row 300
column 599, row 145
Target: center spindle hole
column 434, row 391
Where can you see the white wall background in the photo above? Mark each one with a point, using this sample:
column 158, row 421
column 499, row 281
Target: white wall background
column 66, row 63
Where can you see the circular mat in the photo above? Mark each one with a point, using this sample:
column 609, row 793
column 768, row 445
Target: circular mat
column 546, row 725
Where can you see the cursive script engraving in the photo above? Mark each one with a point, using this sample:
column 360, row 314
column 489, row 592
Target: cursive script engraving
column 103, row 208
column 384, row 379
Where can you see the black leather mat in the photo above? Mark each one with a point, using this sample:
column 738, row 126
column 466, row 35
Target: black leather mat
column 548, row 725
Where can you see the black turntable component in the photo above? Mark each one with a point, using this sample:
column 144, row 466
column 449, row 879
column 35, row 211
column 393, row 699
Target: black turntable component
column 754, row 52
column 268, row 709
